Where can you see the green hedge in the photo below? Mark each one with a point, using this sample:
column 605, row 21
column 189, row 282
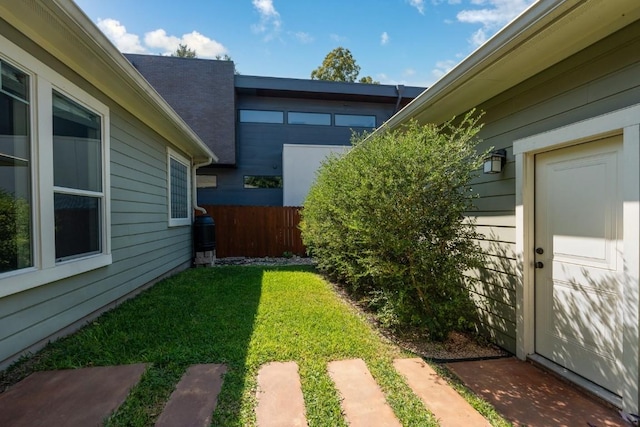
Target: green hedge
column 386, row 220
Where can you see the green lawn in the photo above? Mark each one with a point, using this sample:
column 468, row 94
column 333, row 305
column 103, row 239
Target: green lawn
column 243, row 317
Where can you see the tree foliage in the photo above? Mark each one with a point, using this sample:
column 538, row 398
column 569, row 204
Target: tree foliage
column 369, row 80
column 340, row 66
column 386, row 220
column 183, row 51
column 15, row 243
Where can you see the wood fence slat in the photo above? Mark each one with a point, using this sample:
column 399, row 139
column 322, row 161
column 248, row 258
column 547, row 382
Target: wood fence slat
column 257, row 231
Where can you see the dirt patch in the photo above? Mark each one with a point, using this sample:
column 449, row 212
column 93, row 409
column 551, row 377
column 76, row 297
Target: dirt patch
column 294, row 260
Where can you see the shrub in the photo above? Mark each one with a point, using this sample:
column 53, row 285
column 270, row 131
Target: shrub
column 386, row 220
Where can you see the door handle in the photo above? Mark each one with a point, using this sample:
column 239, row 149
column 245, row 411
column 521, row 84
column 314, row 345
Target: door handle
column 539, row 264
column 539, row 251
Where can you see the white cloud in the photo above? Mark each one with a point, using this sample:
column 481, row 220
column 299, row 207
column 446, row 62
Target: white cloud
column 338, row 38
column 303, row 37
column 117, row 33
column 384, row 39
column 158, row 41
column 442, row 68
column 478, row 38
column 204, row 46
column 408, row 72
column 418, row 4
column 495, row 14
column 270, row 22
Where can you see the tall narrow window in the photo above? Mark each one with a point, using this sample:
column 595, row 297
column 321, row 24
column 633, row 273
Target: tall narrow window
column 15, row 170
column 77, row 179
column 179, row 194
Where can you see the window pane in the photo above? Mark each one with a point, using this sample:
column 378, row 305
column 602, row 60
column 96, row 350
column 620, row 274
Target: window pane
column 77, row 225
column 15, row 172
column 294, row 118
column 14, row 82
column 179, row 190
column 261, row 116
column 354, row 120
column 77, row 151
column 262, row 182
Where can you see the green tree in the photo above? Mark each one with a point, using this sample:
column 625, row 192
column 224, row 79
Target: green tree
column 183, row 51
column 338, row 66
column 387, row 220
column 369, row 80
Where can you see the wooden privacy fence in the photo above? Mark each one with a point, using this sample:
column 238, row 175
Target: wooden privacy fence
column 256, row 231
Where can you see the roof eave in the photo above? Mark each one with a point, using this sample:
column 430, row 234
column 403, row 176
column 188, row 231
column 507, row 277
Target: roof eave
column 553, row 30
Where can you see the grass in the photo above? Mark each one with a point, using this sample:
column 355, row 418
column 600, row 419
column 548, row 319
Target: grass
column 243, row 317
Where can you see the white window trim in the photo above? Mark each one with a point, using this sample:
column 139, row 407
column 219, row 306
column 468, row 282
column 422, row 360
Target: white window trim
column 178, row 222
column 43, row 80
column 625, row 122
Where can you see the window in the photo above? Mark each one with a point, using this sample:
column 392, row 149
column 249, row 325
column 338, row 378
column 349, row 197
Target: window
column 356, row 121
column 264, row 181
column 295, row 118
column 16, row 232
column 261, row 116
column 77, row 178
column 179, row 178
column 54, row 175
column 207, row 181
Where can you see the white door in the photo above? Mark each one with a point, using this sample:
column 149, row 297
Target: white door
column 578, row 234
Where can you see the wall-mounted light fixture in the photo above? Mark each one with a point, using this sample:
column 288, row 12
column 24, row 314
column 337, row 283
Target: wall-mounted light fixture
column 494, row 162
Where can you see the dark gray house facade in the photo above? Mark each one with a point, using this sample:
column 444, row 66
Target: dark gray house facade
column 249, row 120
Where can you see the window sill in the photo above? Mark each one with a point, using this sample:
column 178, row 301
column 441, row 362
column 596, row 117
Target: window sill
column 29, row 278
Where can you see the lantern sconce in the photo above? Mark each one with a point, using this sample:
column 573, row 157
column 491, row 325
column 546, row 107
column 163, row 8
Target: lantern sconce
column 495, row 160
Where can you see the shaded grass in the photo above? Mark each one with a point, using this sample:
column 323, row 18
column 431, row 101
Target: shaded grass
column 243, row 316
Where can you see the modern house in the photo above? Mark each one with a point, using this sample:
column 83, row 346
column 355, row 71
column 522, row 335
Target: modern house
column 560, row 88
column 96, row 176
column 270, row 133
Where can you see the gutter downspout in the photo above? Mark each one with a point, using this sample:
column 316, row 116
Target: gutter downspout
column 400, row 90
column 194, row 188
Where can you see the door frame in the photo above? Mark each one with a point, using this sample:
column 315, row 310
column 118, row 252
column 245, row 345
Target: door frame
column 625, row 122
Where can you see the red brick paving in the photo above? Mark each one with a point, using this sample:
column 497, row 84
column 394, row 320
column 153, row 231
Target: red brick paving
column 75, row 397
column 195, row 398
column 527, row 395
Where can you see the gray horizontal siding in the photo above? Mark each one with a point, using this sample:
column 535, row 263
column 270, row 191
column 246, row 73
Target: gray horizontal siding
column 143, row 247
column 600, row 79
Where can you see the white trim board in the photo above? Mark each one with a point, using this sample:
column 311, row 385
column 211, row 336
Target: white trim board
column 625, row 122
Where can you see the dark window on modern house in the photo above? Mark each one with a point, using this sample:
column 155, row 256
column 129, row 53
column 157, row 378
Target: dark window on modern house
column 15, row 170
column 297, row 118
column 207, row 181
column 355, row 121
column 262, row 181
column 261, row 116
column 77, row 178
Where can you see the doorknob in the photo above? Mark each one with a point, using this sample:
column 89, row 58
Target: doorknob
column 539, row 264
column 539, row 251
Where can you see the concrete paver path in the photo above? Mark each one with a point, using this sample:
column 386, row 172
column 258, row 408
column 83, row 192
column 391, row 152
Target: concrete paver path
column 449, row 408
column 363, row 402
column 71, row 397
column 195, row 398
column 280, row 401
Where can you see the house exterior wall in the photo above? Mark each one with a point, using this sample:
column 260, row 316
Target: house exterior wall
column 143, row 247
column 201, row 92
column 260, row 145
column 600, row 79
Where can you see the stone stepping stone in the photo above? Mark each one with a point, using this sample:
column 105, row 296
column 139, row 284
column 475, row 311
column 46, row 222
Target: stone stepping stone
column 195, row 398
column 280, row 400
column 449, row 408
column 71, row 397
column 363, row 403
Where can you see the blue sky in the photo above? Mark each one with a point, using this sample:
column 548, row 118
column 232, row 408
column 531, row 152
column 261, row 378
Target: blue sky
column 411, row 42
